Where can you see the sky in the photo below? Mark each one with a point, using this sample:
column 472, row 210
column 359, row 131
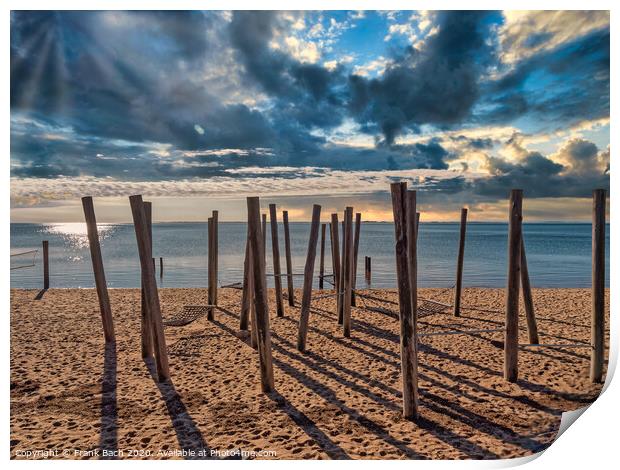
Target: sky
column 198, row 110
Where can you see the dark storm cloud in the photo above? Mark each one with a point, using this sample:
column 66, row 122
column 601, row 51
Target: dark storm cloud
column 564, row 85
column 308, row 94
column 438, row 85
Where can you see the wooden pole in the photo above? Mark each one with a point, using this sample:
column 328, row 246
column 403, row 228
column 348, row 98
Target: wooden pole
column 348, row 272
column 260, row 295
column 409, row 327
column 161, row 267
column 322, row 258
column 214, row 215
column 246, row 296
column 356, row 246
column 459, row 264
column 308, row 278
column 511, row 341
column 343, row 268
column 336, row 260
column 597, row 357
column 46, row 265
column 264, row 232
column 528, row 303
column 417, row 224
column 275, row 249
column 146, row 327
column 150, row 287
column 210, row 269
column 289, row 261
column 97, row 261
column 407, row 340
column 369, row 269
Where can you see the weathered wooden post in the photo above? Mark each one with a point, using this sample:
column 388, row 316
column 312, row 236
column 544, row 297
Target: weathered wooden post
column 511, row 340
column 348, row 272
column 528, row 303
column 46, row 265
column 146, row 327
column 336, row 260
column 246, row 295
column 289, row 261
column 210, row 269
column 260, row 295
column 343, row 268
column 161, row 267
column 275, row 250
column 459, row 264
column 597, row 357
column 308, row 278
column 150, row 287
column 264, row 232
column 356, row 246
column 368, row 268
column 322, row 258
column 97, row 261
column 214, row 215
column 402, row 206
column 417, row 224
column 410, row 328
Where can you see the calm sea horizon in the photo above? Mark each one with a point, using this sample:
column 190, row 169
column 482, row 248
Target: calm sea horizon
column 558, row 254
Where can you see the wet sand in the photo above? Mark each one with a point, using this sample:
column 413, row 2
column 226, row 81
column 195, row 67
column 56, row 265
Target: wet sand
column 339, row 400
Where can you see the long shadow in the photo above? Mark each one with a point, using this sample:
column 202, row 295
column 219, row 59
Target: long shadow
column 40, row 294
column 333, row 450
column 108, row 438
column 440, row 405
column 188, row 435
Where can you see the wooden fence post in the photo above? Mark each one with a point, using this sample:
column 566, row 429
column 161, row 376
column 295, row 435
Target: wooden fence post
column 511, row 340
column 161, row 267
column 214, row 215
column 46, row 265
column 348, row 272
column 322, row 258
column 368, row 268
column 146, row 327
column 459, row 264
column 597, row 357
column 150, row 287
column 356, row 246
column 289, row 261
column 343, row 268
column 275, row 249
column 410, row 326
column 264, row 232
column 97, row 261
column 336, row 260
column 260, row 295
column 308, row 278
column 401, row 209
column 246, row 296
column 210, row 269
column 528, row 303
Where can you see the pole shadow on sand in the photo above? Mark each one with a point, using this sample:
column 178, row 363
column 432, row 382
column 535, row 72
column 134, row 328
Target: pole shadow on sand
column 108, row 440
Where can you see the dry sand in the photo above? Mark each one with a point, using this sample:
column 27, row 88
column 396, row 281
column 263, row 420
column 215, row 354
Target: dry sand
column 339, row 400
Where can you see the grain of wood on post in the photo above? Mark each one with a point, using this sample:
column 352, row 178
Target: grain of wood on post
column 322, row 258
column 336, row 260
column 511, row 339
column 263, row 333
column 308, row 278
column 356, row 246
column 597, row 358
column 407, row 340
column 289, row 261
column 215, row 216
column 459, row 264
column 150, row 287
column 146, row 326
column 528, row 302
column 275, row 250
column 409, row 326
column 97, row 261
column 343, row 268
column 264, row 232
column 348, row 272
column 46, row 265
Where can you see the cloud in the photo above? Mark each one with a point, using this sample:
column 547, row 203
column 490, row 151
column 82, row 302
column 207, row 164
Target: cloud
column 438, row 85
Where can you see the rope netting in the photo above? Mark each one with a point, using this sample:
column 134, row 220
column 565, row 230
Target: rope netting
column 25, row 259
column 189, row 314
